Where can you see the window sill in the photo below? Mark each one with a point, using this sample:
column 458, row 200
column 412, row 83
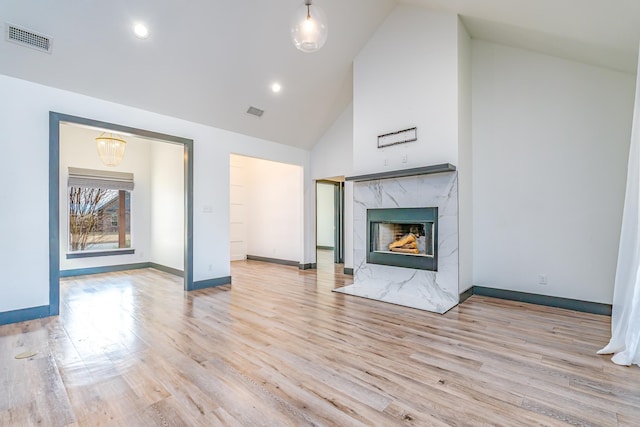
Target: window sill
column 91, row 254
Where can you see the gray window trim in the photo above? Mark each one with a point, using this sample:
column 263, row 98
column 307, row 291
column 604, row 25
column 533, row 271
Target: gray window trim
column 93, row 254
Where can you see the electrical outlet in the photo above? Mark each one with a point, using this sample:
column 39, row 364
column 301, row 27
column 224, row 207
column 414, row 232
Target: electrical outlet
column 210, row 267
column 386, row 162
column 542, row 279
column 404, row 158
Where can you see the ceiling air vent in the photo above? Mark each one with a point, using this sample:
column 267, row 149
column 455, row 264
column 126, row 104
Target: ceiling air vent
column 28, row 38
column 255, row 111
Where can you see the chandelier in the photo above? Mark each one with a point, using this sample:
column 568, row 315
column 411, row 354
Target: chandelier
column 110, row 148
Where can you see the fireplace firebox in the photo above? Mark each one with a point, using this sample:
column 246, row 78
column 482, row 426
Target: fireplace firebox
column 403, row 237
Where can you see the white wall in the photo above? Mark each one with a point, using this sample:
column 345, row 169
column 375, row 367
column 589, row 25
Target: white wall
column 167, row 204
column 550, row 148
column 332, row 155
column 25, row 132
column 325, row 214
column 407, row 76
column 78, row 149
column 274, row 209
column 465, row 163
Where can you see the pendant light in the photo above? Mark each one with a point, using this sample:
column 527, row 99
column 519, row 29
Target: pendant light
column 110, row 148
column 309, row 28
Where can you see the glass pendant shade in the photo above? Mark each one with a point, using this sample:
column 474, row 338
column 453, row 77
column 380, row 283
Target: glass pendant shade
column 309, row 28
column 110, row 148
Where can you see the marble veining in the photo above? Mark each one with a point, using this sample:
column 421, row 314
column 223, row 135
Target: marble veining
column 435, row 291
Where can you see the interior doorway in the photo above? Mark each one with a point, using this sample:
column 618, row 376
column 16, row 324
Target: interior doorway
column 330, row 221
column 55, row 122
column 266, row 210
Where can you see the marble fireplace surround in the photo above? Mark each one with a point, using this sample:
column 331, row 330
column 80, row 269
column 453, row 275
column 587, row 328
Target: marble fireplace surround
column 430, row 186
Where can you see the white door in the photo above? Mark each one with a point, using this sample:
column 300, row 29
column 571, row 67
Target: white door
column 238, row 191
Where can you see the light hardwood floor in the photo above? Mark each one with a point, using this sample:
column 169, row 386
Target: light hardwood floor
column 279, row 348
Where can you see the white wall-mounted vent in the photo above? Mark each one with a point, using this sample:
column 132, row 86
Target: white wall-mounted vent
column 255, row 111
column 29, row 38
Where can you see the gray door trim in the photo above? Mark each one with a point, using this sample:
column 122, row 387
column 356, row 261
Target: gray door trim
column 55, row 119
column 338, row 218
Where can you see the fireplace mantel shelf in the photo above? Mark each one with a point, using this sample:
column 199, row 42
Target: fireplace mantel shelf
column 424, row 170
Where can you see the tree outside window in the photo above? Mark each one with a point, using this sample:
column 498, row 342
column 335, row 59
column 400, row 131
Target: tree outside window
column 99, row 219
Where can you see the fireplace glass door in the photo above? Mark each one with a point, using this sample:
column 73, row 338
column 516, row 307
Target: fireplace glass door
column 403, row 237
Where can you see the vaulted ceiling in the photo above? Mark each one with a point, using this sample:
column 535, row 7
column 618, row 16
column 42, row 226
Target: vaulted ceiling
column 207, row 61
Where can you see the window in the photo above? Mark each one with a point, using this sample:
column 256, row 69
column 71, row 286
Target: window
column 99, row 210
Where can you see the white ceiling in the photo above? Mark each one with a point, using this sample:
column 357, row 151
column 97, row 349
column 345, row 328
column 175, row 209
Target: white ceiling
column 599, row 32
column 209, row 60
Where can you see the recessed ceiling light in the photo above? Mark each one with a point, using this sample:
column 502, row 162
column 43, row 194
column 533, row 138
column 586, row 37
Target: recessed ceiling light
column 141, row 31
column 276, row 87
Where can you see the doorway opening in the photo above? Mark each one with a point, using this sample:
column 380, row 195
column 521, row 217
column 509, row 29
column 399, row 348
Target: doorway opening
column 329, row 222
column 56, row 120
column 266, row 211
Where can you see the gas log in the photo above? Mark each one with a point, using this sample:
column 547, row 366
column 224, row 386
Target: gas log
column 407, row 244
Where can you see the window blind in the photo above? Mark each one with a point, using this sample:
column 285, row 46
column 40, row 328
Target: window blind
column 109, row 180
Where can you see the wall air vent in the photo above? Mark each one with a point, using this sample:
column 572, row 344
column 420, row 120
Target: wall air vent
column 255, row 111
column 28, row 38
